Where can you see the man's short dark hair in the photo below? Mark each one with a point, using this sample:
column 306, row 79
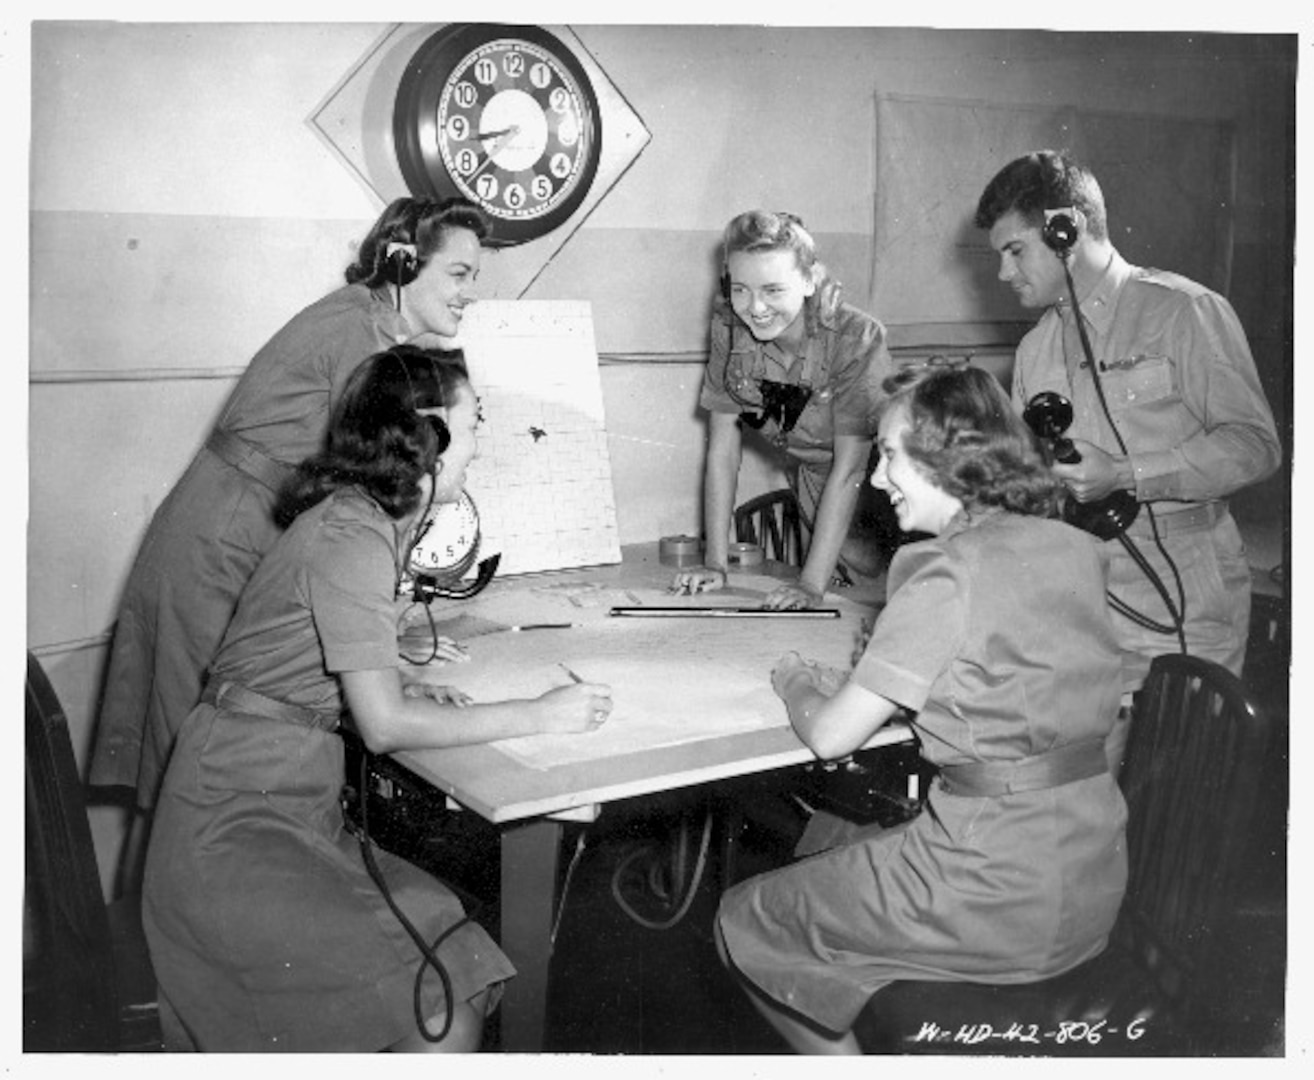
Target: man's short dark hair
column 1044, row 180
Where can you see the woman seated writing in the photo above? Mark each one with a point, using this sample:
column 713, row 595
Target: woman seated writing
column 997, row 635
column 265, row 928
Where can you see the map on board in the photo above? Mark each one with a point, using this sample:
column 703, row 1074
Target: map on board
column 542, row 480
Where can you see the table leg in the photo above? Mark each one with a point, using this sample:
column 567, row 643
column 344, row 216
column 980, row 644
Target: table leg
column 530, row 853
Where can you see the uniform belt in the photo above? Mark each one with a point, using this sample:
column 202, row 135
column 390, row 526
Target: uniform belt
column 1054, row 768
column 248, row 458
column 1188, row 519
column 231, row 695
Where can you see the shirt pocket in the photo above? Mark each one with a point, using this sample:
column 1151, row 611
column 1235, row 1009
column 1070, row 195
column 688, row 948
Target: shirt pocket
column 1139, row 382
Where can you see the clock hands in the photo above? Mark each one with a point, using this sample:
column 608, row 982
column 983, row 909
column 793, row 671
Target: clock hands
column 500, row 139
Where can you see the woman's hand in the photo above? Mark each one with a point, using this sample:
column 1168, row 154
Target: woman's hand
column 443, row 695
column 575, row 708
column 453, row 652
column 698, row 579
column 792, row 673
column 831, row 713
column 794, row 596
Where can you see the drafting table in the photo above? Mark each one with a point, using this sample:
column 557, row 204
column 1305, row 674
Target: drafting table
column 693, row 704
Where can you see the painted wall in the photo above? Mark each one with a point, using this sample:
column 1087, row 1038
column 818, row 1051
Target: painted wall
column 182, row 209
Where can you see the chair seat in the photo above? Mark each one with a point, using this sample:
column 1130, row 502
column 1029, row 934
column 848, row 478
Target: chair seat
column 1106, row 1007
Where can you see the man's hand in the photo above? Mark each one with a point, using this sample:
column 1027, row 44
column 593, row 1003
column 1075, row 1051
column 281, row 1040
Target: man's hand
column 1097, row 473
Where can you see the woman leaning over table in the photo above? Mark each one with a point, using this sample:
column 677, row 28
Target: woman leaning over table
column 803, row 369
column 413, row 276
column 267, row 926
column 998, row 637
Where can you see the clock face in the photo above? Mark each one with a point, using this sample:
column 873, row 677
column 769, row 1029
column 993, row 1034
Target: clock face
column 448, row 540
column 504, row 116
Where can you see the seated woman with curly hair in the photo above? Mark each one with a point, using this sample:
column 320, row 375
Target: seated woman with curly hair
column 997, row 636
column 271, row 927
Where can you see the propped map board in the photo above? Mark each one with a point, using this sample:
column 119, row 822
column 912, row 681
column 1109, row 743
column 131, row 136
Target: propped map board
column 542, row 480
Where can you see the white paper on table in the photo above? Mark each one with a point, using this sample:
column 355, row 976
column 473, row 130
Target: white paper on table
column 650, row 709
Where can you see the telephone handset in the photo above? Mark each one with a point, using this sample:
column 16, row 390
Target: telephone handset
column 445, row 547
column 1049, row 414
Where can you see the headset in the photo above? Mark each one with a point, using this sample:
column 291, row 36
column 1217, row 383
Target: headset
column 400, row 262
column 1049, row 414
column 1059, row 231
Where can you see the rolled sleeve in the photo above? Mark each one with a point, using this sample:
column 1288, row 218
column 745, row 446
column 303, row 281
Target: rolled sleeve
column 861, row 365
column 352, row 586
column 921, row 628
column 714, row 397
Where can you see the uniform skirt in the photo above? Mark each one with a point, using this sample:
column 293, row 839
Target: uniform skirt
column 265, row 928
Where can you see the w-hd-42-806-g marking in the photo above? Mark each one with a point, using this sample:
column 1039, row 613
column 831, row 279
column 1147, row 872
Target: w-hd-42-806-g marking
column 1068, row 1031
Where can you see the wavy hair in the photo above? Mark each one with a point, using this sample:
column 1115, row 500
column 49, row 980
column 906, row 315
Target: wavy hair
column 376, row 439
column 964, row 433
column 419, row 223
column 1044, row 180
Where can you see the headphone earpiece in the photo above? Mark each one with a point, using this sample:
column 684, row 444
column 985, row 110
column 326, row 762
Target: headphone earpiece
column 403, row 262
column 1060, row 231
column 441, row 431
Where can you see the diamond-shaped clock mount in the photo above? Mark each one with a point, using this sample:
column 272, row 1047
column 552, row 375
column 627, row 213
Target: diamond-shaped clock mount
column 355, row 121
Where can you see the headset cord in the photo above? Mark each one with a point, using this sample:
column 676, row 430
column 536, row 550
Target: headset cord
column 429, row 952
column 426, row 523
column 1177, row 612
column 433, row 633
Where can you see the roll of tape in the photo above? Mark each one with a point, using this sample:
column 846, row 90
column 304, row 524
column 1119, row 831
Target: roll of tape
column 745, row 555
column 680, row 551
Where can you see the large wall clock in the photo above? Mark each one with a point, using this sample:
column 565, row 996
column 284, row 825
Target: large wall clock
column 505, row 116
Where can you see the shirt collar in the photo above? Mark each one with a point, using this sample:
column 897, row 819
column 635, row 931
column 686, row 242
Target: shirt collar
column 1100, row 300
column 968, row 518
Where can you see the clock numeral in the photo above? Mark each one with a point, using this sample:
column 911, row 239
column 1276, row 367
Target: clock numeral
column 560, row 165
column 485, row 71
column 466, row 161
column 458, row 128
column 465, row 95
column 514, row 196
column 541, row 186
column 559, row 99
column 568, row 131
column 486, row 187
column 514, row 65
column 540, row 75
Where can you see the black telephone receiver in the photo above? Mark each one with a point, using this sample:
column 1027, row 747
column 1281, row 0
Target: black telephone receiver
column 1049, row 414
column 1059, row 231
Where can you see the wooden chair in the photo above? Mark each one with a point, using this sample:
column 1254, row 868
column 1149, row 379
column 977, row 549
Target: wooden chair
column 87, row 978
column 1191, row 776
column 772, row 520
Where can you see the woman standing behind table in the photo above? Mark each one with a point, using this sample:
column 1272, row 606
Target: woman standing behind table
column 807, row 377
column 265, row 927
column 412, row 278
column 998, row 636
